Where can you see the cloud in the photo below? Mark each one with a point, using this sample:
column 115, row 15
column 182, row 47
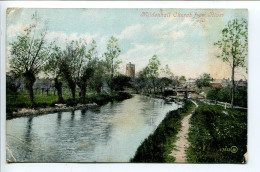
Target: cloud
column 196, row 24
column 180, row 29
column 166, row 22
column 140, row 55
column 63, row 37
column 102, row 44
column 92, row 15
column 14, row 29
column 187, row 22
column 129, row 31
column 174, row 35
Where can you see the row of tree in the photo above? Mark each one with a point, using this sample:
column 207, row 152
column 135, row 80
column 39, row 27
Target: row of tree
column 148, row 78
column 32, row 54
column 77, row 62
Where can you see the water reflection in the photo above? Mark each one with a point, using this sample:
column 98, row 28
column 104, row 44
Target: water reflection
column 83, row 114
column 72, row 119
column 110, row 133
column 27, row 137
column 59, row 115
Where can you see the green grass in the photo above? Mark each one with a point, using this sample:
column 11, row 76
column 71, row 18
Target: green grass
column 21, row 100
column 158, row 146
column 213, row 133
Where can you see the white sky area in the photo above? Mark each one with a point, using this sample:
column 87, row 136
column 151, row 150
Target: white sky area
column 185, row 43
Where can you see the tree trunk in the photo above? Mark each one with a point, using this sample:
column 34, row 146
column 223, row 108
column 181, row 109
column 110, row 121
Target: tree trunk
column 73, row 92
column 64, row 67
column 153, row 87
column 83, row 91
column 58, row 87
column 30, row 89
column 84, row 82
column 60, row 98
column 98, row 88
column 29, row 82
column 233, row 86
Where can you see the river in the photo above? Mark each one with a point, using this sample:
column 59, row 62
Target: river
column 110, row 133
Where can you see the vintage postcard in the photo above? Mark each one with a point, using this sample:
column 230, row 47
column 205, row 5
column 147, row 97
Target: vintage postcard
column 126, row 85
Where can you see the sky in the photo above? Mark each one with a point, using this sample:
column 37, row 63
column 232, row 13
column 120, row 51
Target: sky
column 183, row 39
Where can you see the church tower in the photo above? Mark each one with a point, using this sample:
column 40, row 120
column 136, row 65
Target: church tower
column 130, row 70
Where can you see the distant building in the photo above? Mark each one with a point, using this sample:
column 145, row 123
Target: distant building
column 216, row 85
column 227, row 82
column 130, row 70
column 190, row 82
column 241, row 83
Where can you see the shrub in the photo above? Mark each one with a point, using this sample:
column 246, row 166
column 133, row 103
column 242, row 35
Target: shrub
column 212, row 130
column 224, row 95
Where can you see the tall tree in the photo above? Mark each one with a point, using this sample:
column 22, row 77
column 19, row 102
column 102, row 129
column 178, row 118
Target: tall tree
column 234, row 48
column 163, row 83
column 98, row 77
column 52, row 68
column 166, row 71
column 153, row 70
column 29, row 53
column 204, row 80
column 111, row 56
column 142, row 81
column 84, row 69
column 67, row 67
column 74, row 66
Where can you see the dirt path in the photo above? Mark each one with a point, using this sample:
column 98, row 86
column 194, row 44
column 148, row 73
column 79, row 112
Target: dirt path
column 182, row 143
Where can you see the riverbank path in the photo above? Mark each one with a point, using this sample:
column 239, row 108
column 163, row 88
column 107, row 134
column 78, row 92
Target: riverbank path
column 182, row 143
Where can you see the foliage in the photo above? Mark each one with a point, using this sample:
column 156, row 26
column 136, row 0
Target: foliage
column 212, row 131
column 74, row 65
column 153, row 67
column 153, row 70
column 148, row 78
column 29, row 53
column 234, row 43
column 52, row 68
column 204, row 80
column 112, row 63
column 163, row 83
column 224, row 95
column 182, row 78
column 234, row 47
column 119, row 82
column 142, row 81
column 167, row 72
column 99, row 75
column 11, row 86
column 158, row 146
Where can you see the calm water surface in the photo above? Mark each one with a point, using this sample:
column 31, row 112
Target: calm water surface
column 111, row 133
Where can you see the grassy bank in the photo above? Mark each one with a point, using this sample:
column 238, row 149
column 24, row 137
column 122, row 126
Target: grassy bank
column 224, row 95
column 214, row 131
column 21, row 100
column 158, row 146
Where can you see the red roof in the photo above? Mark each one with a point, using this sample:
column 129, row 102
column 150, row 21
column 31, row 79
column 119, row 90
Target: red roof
column 216, row 85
